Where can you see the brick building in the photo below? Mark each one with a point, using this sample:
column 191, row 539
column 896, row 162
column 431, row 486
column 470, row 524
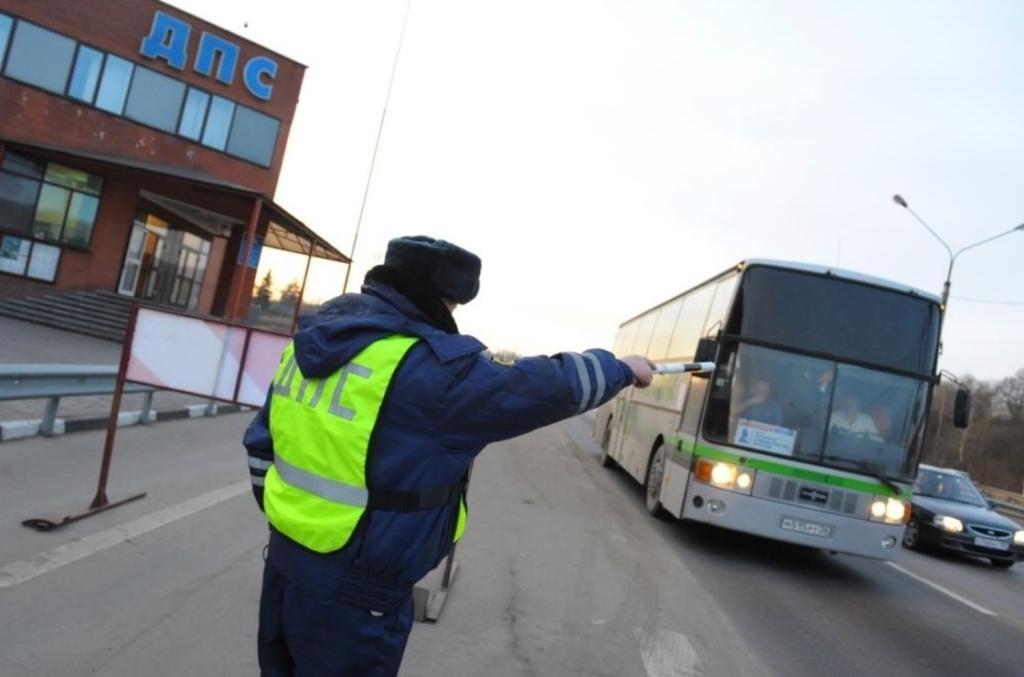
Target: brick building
column 138, row 147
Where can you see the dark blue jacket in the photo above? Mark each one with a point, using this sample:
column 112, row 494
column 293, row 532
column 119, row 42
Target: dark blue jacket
column 448, row 400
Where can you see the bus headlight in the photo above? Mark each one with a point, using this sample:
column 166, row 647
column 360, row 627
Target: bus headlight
column 950, row 524
column 889, row 510
column 725, row 475
column 1018, row 538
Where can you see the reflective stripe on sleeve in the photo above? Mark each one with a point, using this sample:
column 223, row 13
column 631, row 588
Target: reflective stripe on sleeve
column 326, row 489
column 257, row 480
column 599, row 374
column 259, row 463
column 581, row 371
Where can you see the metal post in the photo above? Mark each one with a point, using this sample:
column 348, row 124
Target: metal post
column 376, row 145
column 250, row 242
column 100, row 500
column 49, row 416
column 302, row 291
column 147, row 407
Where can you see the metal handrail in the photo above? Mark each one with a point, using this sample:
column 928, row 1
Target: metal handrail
column 54, row 381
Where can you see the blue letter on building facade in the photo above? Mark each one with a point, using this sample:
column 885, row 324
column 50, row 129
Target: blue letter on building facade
column 257, row 67
column 167, row 40
column 209, row 47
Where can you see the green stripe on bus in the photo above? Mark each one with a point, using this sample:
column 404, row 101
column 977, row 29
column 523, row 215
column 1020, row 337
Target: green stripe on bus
column 790, row 471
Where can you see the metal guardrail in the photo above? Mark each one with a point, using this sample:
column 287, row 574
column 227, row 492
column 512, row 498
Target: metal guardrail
column 54, row 381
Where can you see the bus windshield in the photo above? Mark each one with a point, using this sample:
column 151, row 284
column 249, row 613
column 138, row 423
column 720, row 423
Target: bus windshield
column 818, row 411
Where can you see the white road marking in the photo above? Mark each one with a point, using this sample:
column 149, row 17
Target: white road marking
column 949, row 593
column 37, row 565
column 668, row 654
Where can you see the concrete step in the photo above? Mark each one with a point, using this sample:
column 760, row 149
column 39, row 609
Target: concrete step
column 84, row 306
column 70, row 308
column 52, row 313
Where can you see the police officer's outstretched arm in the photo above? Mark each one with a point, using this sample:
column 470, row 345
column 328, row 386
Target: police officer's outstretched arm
column 488, row 402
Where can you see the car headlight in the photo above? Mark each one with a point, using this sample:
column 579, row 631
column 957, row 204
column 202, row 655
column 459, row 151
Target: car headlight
column 889, row 510
column 950, row 524
column 1018, row 538
column 725, row 475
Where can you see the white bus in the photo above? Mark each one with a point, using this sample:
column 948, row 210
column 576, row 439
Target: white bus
column 810, row 428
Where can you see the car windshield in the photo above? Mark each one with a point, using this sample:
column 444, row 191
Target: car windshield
column 819, row 411
column 948, row 486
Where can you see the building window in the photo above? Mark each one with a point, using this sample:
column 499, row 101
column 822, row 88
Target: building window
column 86, row 74
column 6, row 23
column 58, row 64
column 194, row 114
column 117, row 75
column 20, row 256
column 154, row 100
column 218, row 122
column 48, row 201
column 253, row 136
column 40, row 57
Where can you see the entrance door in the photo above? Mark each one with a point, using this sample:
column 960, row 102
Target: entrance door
column 133, row 261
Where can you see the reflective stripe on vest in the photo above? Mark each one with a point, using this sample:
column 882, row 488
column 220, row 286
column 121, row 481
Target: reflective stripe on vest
column 315, row 493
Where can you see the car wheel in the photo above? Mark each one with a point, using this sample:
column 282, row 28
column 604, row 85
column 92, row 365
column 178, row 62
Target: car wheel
column 655, row 473
column 606, row 459
column 1002, row 563
column 912, row 535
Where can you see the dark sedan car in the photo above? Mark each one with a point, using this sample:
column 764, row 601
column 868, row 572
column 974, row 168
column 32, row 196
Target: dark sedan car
column 951, row 514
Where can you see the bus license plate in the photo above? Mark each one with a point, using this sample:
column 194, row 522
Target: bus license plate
column 805, row 527
column 990, row 543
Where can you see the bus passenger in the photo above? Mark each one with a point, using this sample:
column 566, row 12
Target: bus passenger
column 761, row 406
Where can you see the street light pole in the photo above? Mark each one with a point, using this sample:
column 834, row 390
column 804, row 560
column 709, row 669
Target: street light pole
column 952, row 255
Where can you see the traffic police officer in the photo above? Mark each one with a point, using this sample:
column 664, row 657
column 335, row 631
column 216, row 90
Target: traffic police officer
column 360, row 456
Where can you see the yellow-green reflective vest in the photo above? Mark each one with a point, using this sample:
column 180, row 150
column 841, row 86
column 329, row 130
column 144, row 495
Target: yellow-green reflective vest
column 315, row 492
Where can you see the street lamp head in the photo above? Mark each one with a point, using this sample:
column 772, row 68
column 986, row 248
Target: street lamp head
column 898, row 199
column 1020, row 227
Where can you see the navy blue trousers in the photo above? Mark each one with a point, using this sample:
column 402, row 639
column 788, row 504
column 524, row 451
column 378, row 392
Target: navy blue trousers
column 305, row 636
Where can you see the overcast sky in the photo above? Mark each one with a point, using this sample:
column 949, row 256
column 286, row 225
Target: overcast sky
column 603, row 156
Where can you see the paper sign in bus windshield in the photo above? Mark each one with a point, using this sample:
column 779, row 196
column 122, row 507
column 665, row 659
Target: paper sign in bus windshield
column 766, row 437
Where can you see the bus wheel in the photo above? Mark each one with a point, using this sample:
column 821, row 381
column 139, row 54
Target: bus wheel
column 606, row 459
column 655, row 473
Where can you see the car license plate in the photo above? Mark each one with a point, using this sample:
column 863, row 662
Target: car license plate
column 990, row 543
column 805, row 527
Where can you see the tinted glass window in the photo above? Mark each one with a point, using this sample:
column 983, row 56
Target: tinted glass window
column 75, row 179
column 117, row 74
column 6, row 23
column 42, row 264
column 20, row 164
column 720, row 306
column 643, row 334
column 155, row 100
column 218, row 121
column 86, row 74
column 691, row 322
column 191, row 125
column 14, row 254
column 40, row 57
column 53, row 205
column 845, row 319
column 663, row 327
column 17, row 202
column 81, row 215
column 253, row 136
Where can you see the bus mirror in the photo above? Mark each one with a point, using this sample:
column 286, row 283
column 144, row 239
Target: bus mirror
column 707, row 350
column 962, row 408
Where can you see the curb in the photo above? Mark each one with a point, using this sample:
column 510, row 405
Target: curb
column 17, row 430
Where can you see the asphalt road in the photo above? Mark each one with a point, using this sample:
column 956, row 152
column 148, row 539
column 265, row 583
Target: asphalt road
column 562, row 572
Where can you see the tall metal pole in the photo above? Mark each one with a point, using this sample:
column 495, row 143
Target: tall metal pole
column 952, row 255
column 376, row 146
